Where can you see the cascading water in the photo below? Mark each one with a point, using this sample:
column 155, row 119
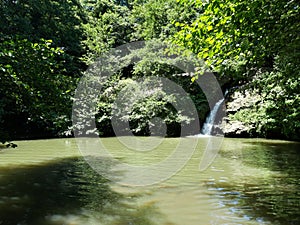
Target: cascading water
column 209, row 122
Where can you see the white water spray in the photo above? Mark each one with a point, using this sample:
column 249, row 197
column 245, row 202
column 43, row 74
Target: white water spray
column 209, row 122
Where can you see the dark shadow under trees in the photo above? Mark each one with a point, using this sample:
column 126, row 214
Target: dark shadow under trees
column 34, row 195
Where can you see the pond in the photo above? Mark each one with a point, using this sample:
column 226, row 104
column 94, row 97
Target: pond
column 251, row 181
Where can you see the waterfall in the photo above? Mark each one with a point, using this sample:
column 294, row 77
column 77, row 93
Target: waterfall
column 209, row 122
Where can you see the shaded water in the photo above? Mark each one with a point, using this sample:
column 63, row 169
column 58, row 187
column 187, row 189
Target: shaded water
column 251, row 181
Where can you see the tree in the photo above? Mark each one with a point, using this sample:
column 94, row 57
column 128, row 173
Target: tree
column 255, row 43
column 40, row 46
column 112, row 24
column 107, row 26
column 233, row 35
column 34, row 89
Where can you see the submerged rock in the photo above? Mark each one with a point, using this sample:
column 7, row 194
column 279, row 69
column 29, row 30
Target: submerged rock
column 12, row 145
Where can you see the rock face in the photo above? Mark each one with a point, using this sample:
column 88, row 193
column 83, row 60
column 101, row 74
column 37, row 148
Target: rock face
column 236, row 101
column 236, row 129
column 241, row 99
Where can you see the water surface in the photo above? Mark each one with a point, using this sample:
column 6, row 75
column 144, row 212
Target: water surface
column 251, row 181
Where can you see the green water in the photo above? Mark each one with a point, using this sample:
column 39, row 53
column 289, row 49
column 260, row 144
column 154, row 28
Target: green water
column 251, row 181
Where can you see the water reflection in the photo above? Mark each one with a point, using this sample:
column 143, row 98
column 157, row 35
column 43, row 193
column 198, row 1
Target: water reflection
column 65, row 191
column 250, row 182
column 272, row 194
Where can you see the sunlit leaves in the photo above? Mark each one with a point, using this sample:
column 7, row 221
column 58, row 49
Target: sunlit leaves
column 108, row 25
column 225, row 30
column 254, row 42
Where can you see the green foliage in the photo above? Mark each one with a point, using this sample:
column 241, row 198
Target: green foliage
column 276, row 112
column 237, row 36
column 257, row 43
column 144, row 103
column 40, row 46
column 111, row 24
column 152, row 19
column 139, row 109
column 45, row 45
column 35, row 90
column 107, row 26
column 48, row 19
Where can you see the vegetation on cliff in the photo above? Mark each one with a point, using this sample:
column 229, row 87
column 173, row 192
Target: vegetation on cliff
column 255, row 46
